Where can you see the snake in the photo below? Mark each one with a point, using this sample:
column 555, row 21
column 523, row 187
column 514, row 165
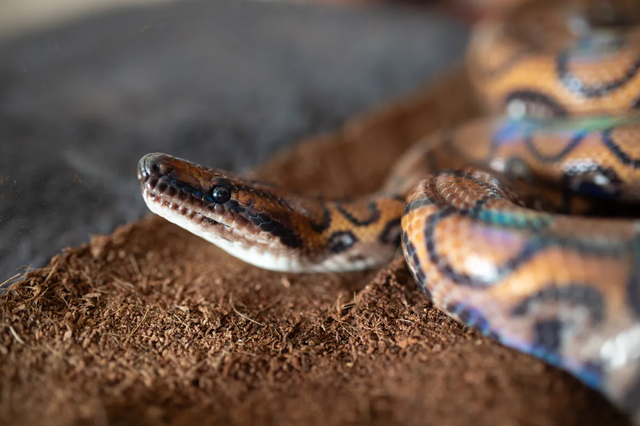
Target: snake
column 521, row 223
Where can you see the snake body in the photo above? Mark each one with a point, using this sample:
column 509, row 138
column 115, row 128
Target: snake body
column 500, row 220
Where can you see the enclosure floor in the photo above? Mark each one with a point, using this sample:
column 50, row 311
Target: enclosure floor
column 152, row 325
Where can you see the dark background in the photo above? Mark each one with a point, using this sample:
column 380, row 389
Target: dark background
column 224, row 83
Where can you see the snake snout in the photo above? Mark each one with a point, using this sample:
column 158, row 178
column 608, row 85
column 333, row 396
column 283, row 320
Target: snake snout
column 153, row 165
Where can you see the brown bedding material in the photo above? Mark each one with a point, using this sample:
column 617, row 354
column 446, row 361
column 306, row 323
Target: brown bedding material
column 152, row 325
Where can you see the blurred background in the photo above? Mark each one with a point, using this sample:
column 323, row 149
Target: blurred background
column 87, row 88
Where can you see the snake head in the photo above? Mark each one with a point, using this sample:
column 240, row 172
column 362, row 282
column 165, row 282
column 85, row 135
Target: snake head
column 250, row 220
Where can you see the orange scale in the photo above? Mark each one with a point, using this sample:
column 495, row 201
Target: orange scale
column 418, row 241
column 628, row 141
column 603, row 70
column 420, row 214
column 537, row 76
column 552, row 144
column 564, row 267
column 464, row 245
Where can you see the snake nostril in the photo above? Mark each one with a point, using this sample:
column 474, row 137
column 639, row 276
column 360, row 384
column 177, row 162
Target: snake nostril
column 162, row 168
column 153, row 165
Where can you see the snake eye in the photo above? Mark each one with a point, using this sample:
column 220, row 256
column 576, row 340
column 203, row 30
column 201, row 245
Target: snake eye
column 221, row 194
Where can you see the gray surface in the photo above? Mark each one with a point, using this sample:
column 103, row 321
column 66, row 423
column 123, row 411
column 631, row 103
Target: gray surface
column 225, row 83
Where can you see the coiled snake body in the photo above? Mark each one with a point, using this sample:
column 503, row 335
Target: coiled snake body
column 499, row 220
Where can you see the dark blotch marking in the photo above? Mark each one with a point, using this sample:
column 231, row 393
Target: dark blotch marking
column 472, row 318
column 417, row 203
column 547, row 336
column 622, row 156
column 391, row 233
column 319, row 228
column 553, row 158
column 411, row 257
column 341, row 240
column 575, row 85
column 576, row 294
column 287, row 236
column 373, row 209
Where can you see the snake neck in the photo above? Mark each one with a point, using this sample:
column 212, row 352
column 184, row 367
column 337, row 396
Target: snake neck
column 268, row 226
